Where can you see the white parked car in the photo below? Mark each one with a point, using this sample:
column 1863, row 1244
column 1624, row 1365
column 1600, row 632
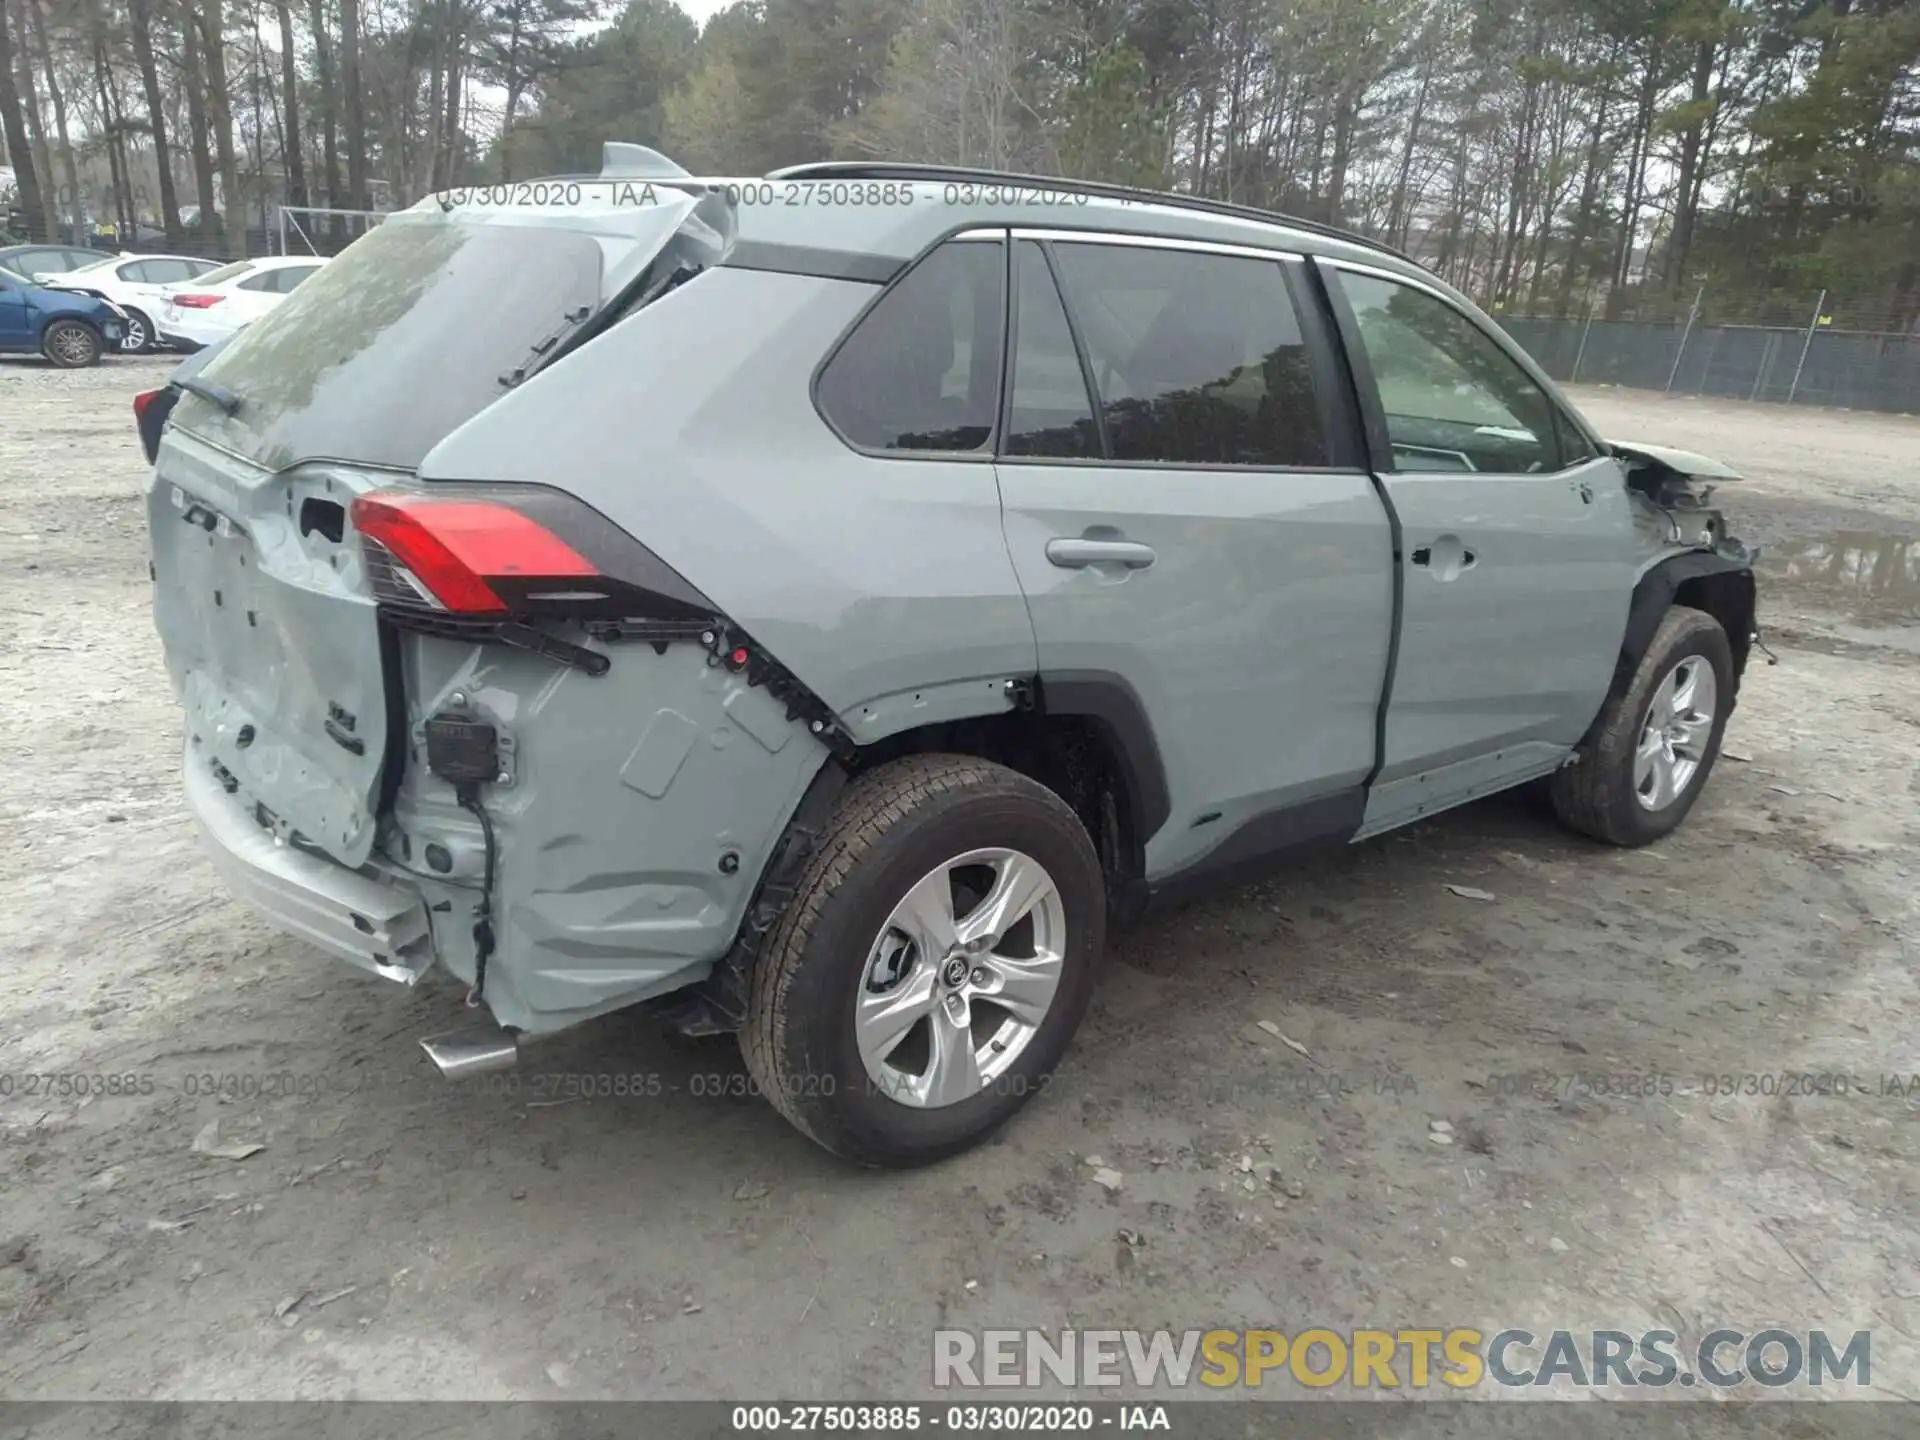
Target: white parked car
column 212, row 307
column 137, row 285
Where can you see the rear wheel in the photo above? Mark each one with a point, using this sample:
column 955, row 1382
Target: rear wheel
column 71, row 344
column 1654, row 745
column 140, row 334
column 937, row 957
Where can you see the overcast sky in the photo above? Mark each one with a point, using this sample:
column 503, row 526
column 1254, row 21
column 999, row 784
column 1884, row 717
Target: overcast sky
column 701, row 10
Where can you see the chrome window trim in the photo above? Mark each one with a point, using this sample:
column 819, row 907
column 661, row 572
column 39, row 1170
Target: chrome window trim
column 1414, row 281
column 1151, row 242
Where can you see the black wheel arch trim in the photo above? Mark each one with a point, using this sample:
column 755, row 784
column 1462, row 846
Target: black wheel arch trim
column 1113, row 704
column 1657, row 590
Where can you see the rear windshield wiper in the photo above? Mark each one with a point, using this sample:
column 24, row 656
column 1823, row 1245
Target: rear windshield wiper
column 641, row 291
column 541, row 347
column 227, row 400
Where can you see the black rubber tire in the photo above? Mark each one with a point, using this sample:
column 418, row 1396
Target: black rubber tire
column 146, row 324
column 48, row 349
column 893, row 825
column 1595, row 795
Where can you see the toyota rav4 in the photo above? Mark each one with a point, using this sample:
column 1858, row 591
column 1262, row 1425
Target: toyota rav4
column 821, row 605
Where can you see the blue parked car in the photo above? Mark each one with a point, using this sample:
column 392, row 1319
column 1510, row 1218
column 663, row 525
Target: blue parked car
column 70, row 329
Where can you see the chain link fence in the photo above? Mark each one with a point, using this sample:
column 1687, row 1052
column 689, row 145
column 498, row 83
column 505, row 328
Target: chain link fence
column 1740, row 349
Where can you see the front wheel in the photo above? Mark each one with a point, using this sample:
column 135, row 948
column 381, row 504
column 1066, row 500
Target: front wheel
column 1654, row 744
column 936, row 959
column 71, row 344
column 140, row 336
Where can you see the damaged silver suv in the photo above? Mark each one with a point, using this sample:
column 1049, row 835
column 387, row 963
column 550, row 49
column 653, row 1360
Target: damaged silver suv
column 821, row 605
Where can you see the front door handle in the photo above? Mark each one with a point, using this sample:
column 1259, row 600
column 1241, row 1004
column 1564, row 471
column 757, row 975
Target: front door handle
column 1077, row 554
column 1445, row 559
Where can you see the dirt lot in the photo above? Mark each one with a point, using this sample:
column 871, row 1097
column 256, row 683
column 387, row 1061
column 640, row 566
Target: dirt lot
column 457, row 1241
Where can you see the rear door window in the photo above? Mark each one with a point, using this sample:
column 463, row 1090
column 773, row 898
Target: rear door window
column 290, row 276
column 166, row 272
column 1198, row 357
column 921, row 370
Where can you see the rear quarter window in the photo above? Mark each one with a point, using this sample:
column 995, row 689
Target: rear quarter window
column 921, row 369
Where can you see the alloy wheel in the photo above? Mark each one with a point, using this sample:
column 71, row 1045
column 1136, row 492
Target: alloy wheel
column 961, row 977
column 1675, row 734
column 71, row 345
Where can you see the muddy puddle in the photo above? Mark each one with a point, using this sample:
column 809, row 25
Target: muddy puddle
column 1873, row 579
column 1875, row 576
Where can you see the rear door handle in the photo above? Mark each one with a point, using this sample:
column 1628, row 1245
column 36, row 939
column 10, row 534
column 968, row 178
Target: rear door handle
column 1077, row 554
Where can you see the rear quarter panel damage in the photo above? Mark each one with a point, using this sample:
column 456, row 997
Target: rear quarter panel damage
column 629, row 793
column 882, row 583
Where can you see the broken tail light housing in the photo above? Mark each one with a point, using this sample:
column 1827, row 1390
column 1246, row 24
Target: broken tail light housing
column 512, row 552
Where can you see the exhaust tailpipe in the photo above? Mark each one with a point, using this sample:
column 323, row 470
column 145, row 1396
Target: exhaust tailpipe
column 473, row 1052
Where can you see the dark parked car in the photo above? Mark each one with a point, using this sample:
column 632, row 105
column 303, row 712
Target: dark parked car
column 71, row 330
column 37, row 261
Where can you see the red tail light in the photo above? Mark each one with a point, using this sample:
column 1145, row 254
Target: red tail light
column 142, row 401
column 197, row 301
column 455, row 552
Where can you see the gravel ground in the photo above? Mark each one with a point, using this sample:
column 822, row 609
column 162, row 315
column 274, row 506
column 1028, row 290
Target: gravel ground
column 399, row 1236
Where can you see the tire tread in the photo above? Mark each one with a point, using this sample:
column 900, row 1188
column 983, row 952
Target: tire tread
column 872, row 804
column 1592, row 796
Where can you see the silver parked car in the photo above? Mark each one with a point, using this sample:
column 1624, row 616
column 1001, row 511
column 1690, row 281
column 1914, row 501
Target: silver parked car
column 820, row 605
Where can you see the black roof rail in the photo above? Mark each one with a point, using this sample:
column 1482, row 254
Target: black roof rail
column 881, row 170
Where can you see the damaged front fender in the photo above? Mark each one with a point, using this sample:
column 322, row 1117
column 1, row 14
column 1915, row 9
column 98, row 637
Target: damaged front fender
column 1686, row 555
column 1673, row 511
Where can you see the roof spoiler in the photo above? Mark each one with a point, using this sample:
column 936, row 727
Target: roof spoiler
column 622, row 161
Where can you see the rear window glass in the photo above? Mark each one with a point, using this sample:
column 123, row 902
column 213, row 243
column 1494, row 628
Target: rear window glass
column 413, row 330
column 922, row 369
column 225, row 273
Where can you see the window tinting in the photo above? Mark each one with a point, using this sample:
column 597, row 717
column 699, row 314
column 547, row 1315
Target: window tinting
column 1455, row 401
column 1198, row 357
column 922, row 369
column 1050, row 412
